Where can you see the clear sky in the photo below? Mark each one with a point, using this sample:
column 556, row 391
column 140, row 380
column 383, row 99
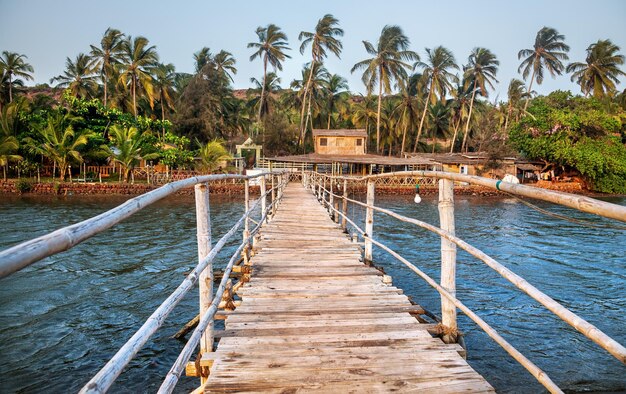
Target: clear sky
column 49, row 31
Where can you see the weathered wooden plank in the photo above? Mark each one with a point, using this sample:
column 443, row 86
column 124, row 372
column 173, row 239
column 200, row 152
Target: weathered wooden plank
column 313, row 317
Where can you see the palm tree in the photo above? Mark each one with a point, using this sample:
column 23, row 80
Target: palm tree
column 335, row 88
column 13, row 65
column 212, row 155
column 481, row 72
column 164, row 81
column 128, row 145
column 271, row 49
column 439, row 115
column 58, row 141
column 202, row 58
column 9, row 144
column 437, row 71
column 549, row 50
column 107, row 56
column 407, row 109
column 516, row 92
column 225, row 64
column 459, row 105
column 388, row 64
column 137, row 60
column 364, row 113
column 78, row 76
column 322, row 40
column 272, row 85
column 600, row 70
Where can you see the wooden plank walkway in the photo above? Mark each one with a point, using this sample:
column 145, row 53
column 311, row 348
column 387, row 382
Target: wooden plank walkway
column 315, row 318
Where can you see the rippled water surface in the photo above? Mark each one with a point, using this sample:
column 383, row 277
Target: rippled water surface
column 64, row 317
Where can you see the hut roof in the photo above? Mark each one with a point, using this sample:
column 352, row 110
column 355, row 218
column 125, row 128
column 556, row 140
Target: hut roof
column 339, row 133
column 315, row 158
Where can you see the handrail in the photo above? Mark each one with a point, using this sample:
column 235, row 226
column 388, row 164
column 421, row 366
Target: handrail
column 179, row 365
column 581, row 203
column 26, row 253
column 589, row 205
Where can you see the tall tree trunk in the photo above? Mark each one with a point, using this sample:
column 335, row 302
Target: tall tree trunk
column 104, row 82
column 469, row 116
column 162, row 117
column 380, row 101
column 532, row 79
column 406, row 128
column 4, row 170
column 329, row 115
column 306, row 92
column 262, row 99
column 419, row 130
column 10, row 89
column 508, row 115
column 456, row 131
column 134, row 89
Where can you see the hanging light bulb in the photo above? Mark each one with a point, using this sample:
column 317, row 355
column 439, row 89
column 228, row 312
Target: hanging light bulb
column 417, row 198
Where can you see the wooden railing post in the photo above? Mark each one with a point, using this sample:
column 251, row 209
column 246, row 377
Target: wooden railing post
column 331, row 197
column 273, row 194
column 344, row 205
column 205, row 281
column 246, row 228
column 448, row 256
column 263, row 196
column 369, row 218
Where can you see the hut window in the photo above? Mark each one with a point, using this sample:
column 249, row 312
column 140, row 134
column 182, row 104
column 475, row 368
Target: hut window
column 323, row 141
column 359, row 141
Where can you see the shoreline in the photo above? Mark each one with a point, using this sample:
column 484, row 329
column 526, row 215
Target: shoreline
column 123, row 189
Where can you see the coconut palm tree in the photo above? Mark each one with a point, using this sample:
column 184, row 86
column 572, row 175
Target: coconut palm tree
column 225, row 64
column 14, row 66
column 406, row 109
column 128, row 147
column 137, row 60
column 78, row 77
column 516, row 92
column 389, row 64
column 548, row 52
column 267, row 102
column 202, row 58
column 212, row 155
column 271, row 50
column 164, row 81
column 436, row 70
column 107, row 56
column 364, row 113
column 9, row 144
column 58, row 141
column 599, row 73
column 459, row 106
column 335, row 89
column 480, row 72
column 323, row 40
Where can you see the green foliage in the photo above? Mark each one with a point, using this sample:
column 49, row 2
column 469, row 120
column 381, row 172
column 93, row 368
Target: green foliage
column 23, row 185
column 212, row 155
column 574, row 132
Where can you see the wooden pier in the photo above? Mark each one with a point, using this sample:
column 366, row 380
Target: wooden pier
column 314, row 317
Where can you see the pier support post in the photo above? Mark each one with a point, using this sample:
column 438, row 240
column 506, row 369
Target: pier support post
column 448, row 256
column 369, row 219
column 344, row 205
column 205, row 281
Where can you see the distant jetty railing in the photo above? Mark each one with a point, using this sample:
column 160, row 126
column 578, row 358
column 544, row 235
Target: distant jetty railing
column 29, row 252
column 325, row 186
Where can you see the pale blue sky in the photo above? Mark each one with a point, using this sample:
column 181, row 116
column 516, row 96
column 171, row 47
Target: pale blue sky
column 49, row 31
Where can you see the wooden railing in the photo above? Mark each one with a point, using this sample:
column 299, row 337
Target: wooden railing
column 29, row 252
column 324, row 186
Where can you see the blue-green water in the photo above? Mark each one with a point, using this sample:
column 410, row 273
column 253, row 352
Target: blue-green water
column 64, row 317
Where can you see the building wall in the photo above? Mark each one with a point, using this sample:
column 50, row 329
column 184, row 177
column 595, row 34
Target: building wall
column 339, row 145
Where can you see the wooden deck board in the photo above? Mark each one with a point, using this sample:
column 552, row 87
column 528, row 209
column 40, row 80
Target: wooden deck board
column 314, row 318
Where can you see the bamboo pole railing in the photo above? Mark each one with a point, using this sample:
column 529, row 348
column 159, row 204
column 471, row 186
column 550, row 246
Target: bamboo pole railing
column 26, row 253
column 578, row 202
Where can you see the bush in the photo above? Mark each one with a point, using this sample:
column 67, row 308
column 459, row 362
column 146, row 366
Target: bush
column 23, row 186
